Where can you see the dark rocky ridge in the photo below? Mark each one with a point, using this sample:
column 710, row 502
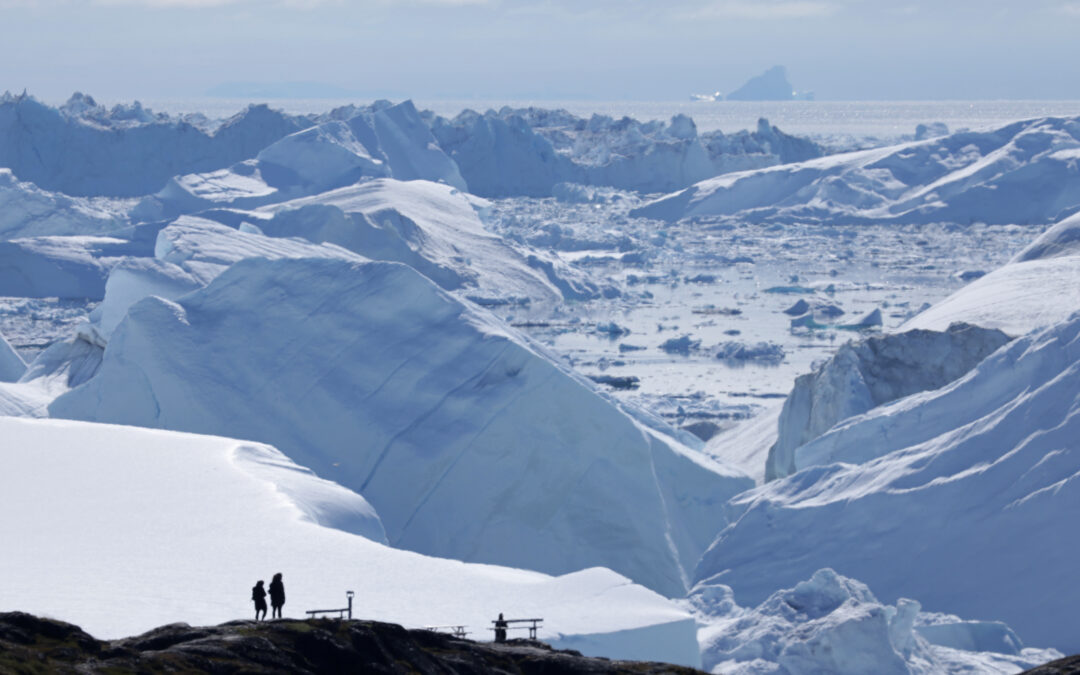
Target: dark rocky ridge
column 29, row 644
column 1070, row 665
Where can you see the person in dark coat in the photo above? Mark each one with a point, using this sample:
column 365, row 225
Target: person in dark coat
column 258, row 594
column 500, row 629
column 277, row 596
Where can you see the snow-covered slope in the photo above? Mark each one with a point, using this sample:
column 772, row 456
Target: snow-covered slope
column 831, row 624
column 121, row 529
column 961, row 497
column 1060, row 240
column 83, row 149
column 436, row 230
column 469, row 442
column 967, row 177
column 1015, row 298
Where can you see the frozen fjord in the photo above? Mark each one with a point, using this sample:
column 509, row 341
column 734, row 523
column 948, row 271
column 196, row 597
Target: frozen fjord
column 192, row 252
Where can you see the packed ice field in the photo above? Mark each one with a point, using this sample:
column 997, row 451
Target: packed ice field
column 748, row 400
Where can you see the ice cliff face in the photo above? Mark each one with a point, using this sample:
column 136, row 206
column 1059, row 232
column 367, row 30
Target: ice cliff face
column 12, row 366
column 963, row 178
column 871, row 372
column 832, row 624
column 469, row 442
column 938, row 496
column 62, row 267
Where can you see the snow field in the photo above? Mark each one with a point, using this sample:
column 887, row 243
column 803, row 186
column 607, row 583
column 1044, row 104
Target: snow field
column 123, row 529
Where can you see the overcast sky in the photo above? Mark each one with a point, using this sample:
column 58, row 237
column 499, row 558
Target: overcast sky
column 544, row 49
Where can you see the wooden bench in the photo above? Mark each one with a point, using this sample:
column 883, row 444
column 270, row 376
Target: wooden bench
column 343, row 613
column 455, row 630
column 533, row 625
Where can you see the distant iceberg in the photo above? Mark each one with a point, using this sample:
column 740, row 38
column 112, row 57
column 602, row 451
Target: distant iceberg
column 772, row 85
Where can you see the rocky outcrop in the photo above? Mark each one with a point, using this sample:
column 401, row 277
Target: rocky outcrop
column 1070, row 665
column 30, row 644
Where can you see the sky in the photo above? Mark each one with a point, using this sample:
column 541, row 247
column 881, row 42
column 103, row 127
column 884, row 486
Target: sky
column 541, row 49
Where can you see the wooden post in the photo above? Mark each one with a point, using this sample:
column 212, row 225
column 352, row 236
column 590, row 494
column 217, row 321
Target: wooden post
column 349, row 595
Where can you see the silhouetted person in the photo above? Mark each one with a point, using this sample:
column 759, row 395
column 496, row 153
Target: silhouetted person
column 277, row 596
column 500, row 629
column 258, row 594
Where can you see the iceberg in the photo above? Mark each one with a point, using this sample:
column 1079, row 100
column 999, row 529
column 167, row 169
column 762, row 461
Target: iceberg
column 380, row 141
column 437, row 230
column 940, row 496
column 832, row 624
column 1060, row 240
column 28, row 211
column 868, row 373
column 62, row 267
column 529, row 151
column 1016, row 298
column 965, row 177
column 772, row 85
column 12, row 367
column 469, row 440
column 83, row 149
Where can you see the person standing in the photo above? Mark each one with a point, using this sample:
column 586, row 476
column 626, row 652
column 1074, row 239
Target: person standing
column 500, row 629
column 277, row 596
column 258, row 594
